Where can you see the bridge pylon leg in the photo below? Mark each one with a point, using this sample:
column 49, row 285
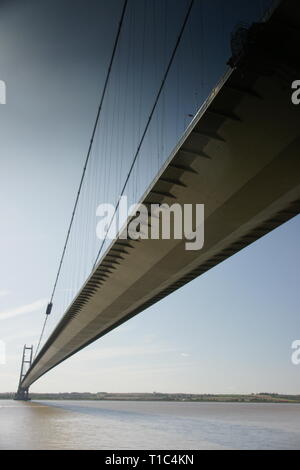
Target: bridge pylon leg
column 23, row 393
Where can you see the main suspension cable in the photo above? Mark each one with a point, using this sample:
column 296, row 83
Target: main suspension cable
column 148, row 123
column 85, row 166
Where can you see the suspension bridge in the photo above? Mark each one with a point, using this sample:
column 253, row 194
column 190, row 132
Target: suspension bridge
column 239, row 156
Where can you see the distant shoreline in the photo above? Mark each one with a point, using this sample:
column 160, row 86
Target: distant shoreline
column 170, row 397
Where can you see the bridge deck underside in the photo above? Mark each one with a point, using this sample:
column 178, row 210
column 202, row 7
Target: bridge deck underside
column 240, row 158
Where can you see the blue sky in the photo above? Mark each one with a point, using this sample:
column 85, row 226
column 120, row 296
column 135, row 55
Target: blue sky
column 231, row 329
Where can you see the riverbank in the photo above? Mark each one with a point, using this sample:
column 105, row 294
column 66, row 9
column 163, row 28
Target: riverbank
column 156, row 396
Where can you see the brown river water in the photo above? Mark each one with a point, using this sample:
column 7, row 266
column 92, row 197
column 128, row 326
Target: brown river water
column 148, row 425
